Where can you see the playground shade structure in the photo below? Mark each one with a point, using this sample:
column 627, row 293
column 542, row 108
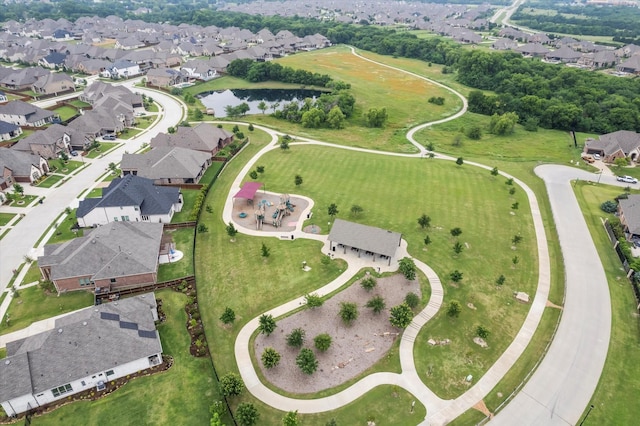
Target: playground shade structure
column 248, row 190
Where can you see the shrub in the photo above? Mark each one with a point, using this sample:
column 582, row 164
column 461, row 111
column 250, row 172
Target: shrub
column 377, row 304
column 313, row 300
column 453, row 310
column 296, row 337
column 368, row 283
column 307, row 361
column 228, row 316
column 231, row 384
column 609, row 206
column 401, row 316
column 412, row 300
column 482, row 332
column 267, row 324
column 322, row 342
column 270, row 358
column 247, row 414
column 348, row 312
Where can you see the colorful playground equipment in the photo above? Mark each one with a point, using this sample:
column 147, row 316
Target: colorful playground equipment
column 283, row 209
column 260, row 213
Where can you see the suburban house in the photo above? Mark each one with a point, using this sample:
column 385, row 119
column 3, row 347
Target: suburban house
column 98, row 90
column 9, row 131
column 536, row 50
column 122, row 69
column 199, row 69
column 24, row 114
column 167, row 165
column 630, row 66
column 620, row 144
column 117, row 256
column 130, row 199
column 53, row 60
column 3, row 97
column 53, row 83
column 23, row 79
column 18, row 166
column 204, row 137
column 164, row 77
column 52, row 141
column 83, row 351
column 629, row 214
column 95, row 123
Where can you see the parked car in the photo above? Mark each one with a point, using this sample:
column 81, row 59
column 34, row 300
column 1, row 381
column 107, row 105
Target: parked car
column 627, row 179
column 74, row 153
column 596, row 156
column 109, row 137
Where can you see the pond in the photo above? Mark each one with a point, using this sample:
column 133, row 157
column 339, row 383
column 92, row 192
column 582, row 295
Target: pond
column 274, row 98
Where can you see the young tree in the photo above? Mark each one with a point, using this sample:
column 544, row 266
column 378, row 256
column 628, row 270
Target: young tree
column 376, row 117
column 247, row 414
column 290, row 419
column 356, row 210
column 424, row 221
column 430, row 146
column 482, row 332
column 377, row 304
column 401, row 316
column 335, row 118
column 18, row 189
column 494, row 171
column 228, row 316
column 197, row 114
column 296, row 337
column 427, row 240
column 412, row 300
column 456, row 232
column 307, row 361
column 267, row 324
column 501, row 279
column 509, row 181
column 515, row 206
column 516, row 239
column 408, row 268
column 215, row 420
column 456, row 276
column 266, row 251
column 250, row 127
column 368, row 283
column 270, row 358
column 231, row 384
column 322, row 342
column 284, row 144
column 348, row 312
column 453, row 310
column 512, row 190
column 460, row 161
column 313, row 300
column 457, row 247
column 260, row 169
column 64, row 156
column 333, row 210
column 231, row 230
column 298, row 180
column 262, row 106
column 253, row 175
column 113, row 167
column 202, row 228
column 515, row 260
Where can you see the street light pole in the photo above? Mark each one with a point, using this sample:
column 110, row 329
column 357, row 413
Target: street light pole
column 586, row 415
column 599, row 176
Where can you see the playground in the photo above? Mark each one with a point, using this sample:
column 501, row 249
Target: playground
column 269, row 212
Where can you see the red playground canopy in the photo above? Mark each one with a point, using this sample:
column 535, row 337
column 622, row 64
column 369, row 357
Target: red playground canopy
column 248, row 190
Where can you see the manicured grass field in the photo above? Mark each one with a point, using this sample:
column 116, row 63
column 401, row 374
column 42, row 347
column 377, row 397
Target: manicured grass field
column 387, row 188
column 65, row 112
column 104, row 148
column 63, row 168
column 180, row 396
column 50, row 181
column 34, row 305
column 63, row 232
column 614, row 399
column 153, row 108
column 23, row 201
column 6, row 218
column 211, row 172
column 129, row 133
column 183, row 238
column 94, row 193
column 33, row 274
column 189, row 196
column 145, row 122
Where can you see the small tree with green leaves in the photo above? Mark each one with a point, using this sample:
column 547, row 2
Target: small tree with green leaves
column 18, row 189
column 290, row 419
column 202, row 228
column 516, row 239
column 250, row 127
column 500, row 280
column 412, row 300
column 512, row 190
column 298, row 180
column 509, row 181
column 284, row 144
column 515, row 206
column 348, row 312
column 270, row 358
column 408, row 268
column 228, row 316
column 260, row 169
column 401, row 316
column 427, row 240
column 266, row 324
column 322, row 342
column 457, row 247
column 247, row 414
column 482, row 332
column 456, row 232
column 231, row 230
column 356, row 210
column 307, row 361
column 609, row 206
column 265, row 251
column 453, row 309
column 231, row 384
column 424, row 221
column 368, row 283
column 313, row 300
column 459, row 161
column 332, row 210
column 494, row 171
column 456, row 276
column 253, row 175
column 215, row 420
column 296, row 337
column 377, row 304
column 515, row 260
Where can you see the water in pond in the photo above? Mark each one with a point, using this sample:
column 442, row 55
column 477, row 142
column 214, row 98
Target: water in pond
column 234, row 97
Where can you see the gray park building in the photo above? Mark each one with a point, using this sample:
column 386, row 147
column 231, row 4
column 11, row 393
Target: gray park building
column 362, row 238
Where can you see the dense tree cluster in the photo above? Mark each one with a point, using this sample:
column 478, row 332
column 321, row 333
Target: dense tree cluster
column 253, row 71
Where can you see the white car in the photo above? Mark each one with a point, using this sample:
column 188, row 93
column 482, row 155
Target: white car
column 596, row 156
column 627, row 179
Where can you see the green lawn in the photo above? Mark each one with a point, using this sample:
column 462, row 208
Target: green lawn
column 63, row 232
column 66, row 112
column 153, row 108
column 104, row 148
column 211, row 172
column 67, row 168
column 23, row 201
column 614, row 401
column 34, row 305
column 129, row 133
column 183, row 238
column 145, row 122
column 94, row 193
column 50, row 180
column 6, row 218
column 180, row 396
column 79, row 104
column 189, row 196
column 33, row 274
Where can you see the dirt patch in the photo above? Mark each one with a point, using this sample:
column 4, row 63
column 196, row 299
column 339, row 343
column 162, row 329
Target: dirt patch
column 480, row 406
column 353, row 349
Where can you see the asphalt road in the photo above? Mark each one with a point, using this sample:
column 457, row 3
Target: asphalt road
column 563, row 384
column 22, row 238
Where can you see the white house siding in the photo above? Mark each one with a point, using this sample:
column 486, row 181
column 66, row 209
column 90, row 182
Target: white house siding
column 25, row 402
column 18, row 120
column 102, row 216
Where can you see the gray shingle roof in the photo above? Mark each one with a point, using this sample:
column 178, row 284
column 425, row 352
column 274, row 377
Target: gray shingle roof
column 23, row 109
column 369, row 238
column 624, row 140
column 81, row 344
column 18, row 161
column 7, row 127
column 118, row 249
column 166, row 162
column 631, row 212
